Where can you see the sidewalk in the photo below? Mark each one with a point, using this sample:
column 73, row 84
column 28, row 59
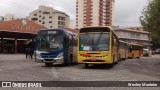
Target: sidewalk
column 12, row 56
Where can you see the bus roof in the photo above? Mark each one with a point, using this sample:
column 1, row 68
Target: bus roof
column 97, row 27
column 123, row 41
column 94, row 29
column 67, row 30
column 135, row 44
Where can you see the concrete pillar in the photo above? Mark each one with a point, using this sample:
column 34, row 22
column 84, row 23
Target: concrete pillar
column 15, row 46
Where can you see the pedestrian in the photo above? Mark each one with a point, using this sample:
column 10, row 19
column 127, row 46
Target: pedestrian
column 30, row 49
column 27, row 51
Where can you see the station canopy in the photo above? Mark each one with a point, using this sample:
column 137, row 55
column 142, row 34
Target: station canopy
column 20, row 29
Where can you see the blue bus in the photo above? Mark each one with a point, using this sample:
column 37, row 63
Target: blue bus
column 56, row 46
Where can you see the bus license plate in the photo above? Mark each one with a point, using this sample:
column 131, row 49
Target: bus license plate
column 93, row 59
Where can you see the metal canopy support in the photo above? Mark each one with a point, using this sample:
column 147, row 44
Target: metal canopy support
column 15, row 46
column 1, row 44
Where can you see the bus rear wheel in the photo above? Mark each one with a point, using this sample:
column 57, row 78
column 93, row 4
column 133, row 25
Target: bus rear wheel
column 86, row 65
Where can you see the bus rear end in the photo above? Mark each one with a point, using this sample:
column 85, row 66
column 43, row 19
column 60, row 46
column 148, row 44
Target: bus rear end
column 135, row 51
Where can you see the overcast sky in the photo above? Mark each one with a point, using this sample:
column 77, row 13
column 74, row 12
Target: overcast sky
column 127, row 12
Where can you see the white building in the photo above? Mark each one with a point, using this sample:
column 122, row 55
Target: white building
column 9, row 17
column 49, row 17
column 94, row 13
column 72, row 24
column 1, row 18
column 133, row 35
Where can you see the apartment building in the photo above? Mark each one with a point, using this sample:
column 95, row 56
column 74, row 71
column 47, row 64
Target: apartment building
column 94, row 13
column 49, row 17
column 133, row 35
column 1, row 18
column 9, row 17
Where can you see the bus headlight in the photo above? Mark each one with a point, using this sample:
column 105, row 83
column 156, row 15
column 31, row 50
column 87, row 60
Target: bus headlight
column 60, row 55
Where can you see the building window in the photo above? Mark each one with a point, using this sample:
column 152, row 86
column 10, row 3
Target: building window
column 34, row 19
column 59, row 22
column 50, row 21
column 50, row 16
column 35, row 14
column 46, row 12
column 40, row 11
column 39, row 15
column 43, row 22
column 43, row 18
column 59, row 18
column 39, row 20
column 51, row 26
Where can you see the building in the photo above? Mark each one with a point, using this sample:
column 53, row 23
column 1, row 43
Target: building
column 9, row 17
column 14, row 35
column 49, row 17
column 72, row 24
column 94, row 13
column 1, row 18
column 133, row 35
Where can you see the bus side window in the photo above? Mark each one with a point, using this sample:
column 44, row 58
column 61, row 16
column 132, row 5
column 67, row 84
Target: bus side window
column 66, row 41
column 112, row 41
column 70, row 40
column 75, row 41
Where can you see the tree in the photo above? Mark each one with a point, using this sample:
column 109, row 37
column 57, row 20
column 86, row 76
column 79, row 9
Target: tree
column 150, row 20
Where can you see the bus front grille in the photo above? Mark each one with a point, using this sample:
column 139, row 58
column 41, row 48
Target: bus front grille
column 93, row 60
column 48, row 59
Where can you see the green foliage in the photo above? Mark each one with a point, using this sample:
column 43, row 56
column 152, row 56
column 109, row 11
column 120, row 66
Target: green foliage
column 150, row 20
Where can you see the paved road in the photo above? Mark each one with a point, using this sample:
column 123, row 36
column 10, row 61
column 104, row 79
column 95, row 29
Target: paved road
column 17, row 68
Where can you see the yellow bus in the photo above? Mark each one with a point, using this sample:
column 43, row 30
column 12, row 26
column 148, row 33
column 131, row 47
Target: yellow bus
column 97, row 45
column 135, row 51
column 123, row 50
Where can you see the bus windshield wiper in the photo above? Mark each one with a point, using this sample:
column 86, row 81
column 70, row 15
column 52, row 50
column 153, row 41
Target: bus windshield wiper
column 96, row 43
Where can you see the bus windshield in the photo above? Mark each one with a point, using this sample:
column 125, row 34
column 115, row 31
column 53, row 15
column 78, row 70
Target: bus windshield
column 49, row 42
column 94, row 42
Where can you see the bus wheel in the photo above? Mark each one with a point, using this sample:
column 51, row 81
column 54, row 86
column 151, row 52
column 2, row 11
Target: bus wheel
column 86, row 65
column 49, row 64
column 114, row 61
column 71, row 60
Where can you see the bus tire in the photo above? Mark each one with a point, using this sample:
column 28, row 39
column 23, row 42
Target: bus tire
column 138, row 57
column 114, row 61
column 49, row 64
column 71, row 59
column 86, row 65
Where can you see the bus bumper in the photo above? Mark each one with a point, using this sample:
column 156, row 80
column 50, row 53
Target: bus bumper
column 50, row 60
